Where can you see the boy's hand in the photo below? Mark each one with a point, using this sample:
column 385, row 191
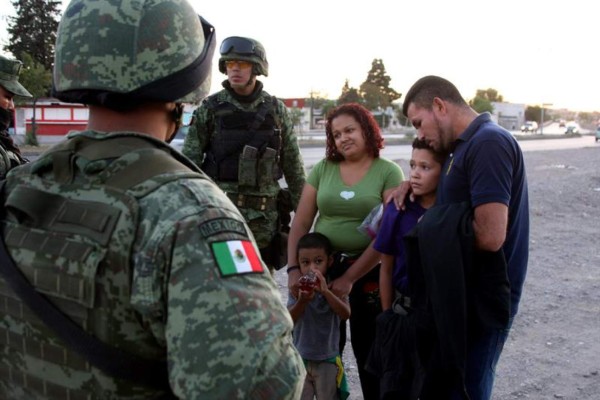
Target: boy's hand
column 304, row 296
column 321, row 282
column 293, row 285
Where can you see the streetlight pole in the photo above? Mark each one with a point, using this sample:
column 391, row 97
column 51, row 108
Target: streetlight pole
column 542, row 119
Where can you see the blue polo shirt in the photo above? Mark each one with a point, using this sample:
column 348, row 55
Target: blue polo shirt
column 487, row 166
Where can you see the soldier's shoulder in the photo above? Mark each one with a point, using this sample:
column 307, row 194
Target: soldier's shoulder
column 215, row 98
column 190, row 189
column 278, row 104
column 221, row 95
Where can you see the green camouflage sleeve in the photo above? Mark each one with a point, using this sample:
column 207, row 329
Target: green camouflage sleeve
column 228, row 335
column 293, row 165
column 198, row 135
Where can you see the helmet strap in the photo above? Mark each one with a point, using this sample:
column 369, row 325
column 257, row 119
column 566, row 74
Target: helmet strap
column 252, row 80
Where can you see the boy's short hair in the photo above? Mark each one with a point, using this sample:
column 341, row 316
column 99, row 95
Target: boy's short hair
column 314, row 240
column 439, row 157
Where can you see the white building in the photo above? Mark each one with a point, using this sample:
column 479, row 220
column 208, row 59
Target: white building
column 509, row 115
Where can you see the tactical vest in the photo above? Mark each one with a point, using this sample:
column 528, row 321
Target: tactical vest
column 8, row 160
column 245, row 146
column 71, row 231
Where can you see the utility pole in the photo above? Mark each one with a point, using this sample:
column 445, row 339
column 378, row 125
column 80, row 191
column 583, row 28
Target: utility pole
column 542, row 118
column 311, row 124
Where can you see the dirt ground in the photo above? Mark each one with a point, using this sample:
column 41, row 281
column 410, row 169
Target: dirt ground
column 553, row 351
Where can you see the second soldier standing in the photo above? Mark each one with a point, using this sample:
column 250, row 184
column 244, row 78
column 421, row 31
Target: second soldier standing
column 243, row 138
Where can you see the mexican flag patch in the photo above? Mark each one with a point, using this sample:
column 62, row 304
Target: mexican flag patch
column 236, row 257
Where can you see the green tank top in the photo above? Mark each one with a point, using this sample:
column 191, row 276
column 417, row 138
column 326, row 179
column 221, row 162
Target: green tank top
column 342, row 208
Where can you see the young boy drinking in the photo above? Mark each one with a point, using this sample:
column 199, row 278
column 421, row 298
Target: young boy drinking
column 317, row 314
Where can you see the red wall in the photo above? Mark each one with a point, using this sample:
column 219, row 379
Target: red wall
column 56, row 118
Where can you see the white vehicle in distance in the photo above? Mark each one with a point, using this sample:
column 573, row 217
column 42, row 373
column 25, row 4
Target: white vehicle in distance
column 530, row 127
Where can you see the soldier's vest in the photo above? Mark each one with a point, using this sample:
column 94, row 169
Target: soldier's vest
column 245, row 146
column 72, row 234
column 8, row 160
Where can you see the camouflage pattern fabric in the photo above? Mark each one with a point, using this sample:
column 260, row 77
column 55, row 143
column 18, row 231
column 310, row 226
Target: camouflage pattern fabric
column 121, row 46
column 10, row 156
column 223, row 337
column 5, row 164
column 262, row 223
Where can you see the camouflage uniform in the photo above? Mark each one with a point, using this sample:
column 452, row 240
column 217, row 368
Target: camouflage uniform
column 126, row 237
column 255, row 188
column 263, row 223
column 223, row 337
column 10, row 155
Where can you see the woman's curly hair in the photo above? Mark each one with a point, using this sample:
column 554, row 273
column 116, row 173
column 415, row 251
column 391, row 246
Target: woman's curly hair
column 368, row 125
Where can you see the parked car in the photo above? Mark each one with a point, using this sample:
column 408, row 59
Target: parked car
column 529, row 126
column 597, row 133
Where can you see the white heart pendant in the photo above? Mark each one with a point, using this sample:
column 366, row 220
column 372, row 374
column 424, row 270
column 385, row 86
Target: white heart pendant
column 346, row 195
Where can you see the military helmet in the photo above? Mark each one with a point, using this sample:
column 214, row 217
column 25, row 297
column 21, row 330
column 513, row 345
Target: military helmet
column 244, row 49
column 122, row 54
column 9, row 76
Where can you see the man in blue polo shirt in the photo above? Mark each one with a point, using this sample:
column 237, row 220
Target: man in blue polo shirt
column 485, row 167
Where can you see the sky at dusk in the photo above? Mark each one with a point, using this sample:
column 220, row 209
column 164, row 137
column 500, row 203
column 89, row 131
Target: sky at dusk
column 532, row 52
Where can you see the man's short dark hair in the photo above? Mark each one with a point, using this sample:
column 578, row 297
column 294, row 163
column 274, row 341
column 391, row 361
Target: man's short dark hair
column 425, row 89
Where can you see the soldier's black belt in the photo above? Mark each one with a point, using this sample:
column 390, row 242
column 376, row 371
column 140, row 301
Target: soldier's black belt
column 260, row 203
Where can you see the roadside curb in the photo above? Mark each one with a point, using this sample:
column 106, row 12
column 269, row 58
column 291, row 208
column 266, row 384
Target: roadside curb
column 29, row 151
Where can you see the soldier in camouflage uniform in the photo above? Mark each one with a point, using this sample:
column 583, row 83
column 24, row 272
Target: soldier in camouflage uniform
column 10, row 155
column 243, row 138
column 147, row 257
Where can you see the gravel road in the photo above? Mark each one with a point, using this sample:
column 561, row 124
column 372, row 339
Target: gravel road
column 553, row 351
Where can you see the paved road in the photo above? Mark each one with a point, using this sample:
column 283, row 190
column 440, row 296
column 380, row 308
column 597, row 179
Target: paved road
column 395, row 152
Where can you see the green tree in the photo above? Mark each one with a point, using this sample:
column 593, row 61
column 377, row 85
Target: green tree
column 349, row 95
column 483, row 99
column 33, row 30
column 38, row 81
column 34, row 77
column 296, row 117
column 327, row 106
column 480, row 105
column 375, row 90
column 533, row 113
column 490, row 94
